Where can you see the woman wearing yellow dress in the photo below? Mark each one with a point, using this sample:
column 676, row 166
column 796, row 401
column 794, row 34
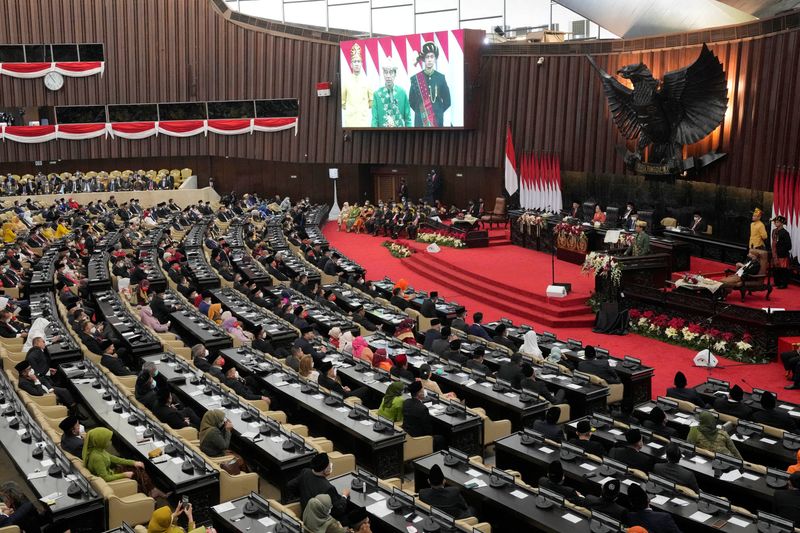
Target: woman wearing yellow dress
column 355, row 211
column 8, row 232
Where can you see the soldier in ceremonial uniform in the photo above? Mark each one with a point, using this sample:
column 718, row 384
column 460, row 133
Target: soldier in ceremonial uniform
column 429, row 94
column 781, row 246
column 390, row 107
column 641, row 241
column 356, row 94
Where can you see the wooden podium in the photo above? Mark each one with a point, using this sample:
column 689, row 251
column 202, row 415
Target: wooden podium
column 652, row 270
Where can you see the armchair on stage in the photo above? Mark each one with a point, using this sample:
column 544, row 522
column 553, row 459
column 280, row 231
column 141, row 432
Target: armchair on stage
column 749, row 283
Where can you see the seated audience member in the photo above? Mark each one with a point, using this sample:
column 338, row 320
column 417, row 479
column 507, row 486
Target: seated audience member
column 19, row 511
column 417, row 420
column 625, row 414
column 358, row 521
column 405, row 331
column 111, row 361
column 304, row 342
column 333, row 336
column 398, row 300
column 770, row 416
column 453, row 353
column 215, row 433
column 786, row 502
column 599, row 216
column 556, row 358
column 530, row 346
column 147, row 318
column 241, row 387
column 680, row 392
column 163, row 520
column 109, row 467
column 743, row 270
column 732, row 404
column 501, row 337
column 233, row 328
column 392, row 404
column 477, row 329
column 583, row 439
column 459, row 322
column 447, row 499
column 360, row 318
column 200, row 357
column 400, row 368
column 429, row 384
column 313, row 481
column 380, row 360
column 434, row 333
column 673, row 471
column 795, row 467
column 529, row 384
column 512, row 371
column 30, row 383
column 361, row 349
column 554, row 481
column 597, row 367
column 317, row 516
column 606, row 503
column 295, row 356
column 262, row 344
column 642, row 515
column 706, row 435
column 476, row 361
column 327, row 378
column 428, row 307
column 631, row 453
column 169, row 414
column 306, row 368
column 440, row 345
column 146, row 388
column 657, row 423
column 71, row 438
column 549, row 427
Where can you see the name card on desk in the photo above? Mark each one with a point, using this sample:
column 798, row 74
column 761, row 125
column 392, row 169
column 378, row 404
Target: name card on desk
column 224, row 507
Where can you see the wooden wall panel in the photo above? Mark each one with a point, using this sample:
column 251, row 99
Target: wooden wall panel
column 185, row 50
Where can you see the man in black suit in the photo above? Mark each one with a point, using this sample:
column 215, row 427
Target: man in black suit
column 31, row 384
column 657, row 423
column 675, row 472
column 417, row 421
column 642, row 515
column 512, row 371
column 313, row 481
column 698, row 224
column 360, row 318
column 10, row 327
column 398, row 300
column 453, row 353
column 304, row 342
column 327, row 379
column 529, row 383
column 549, row 427
column 447, row 499
column 554, row 481
column 732, row 404
column 606, row 503
column 476, row 361
column 680, row 392
column 786, row 502
column 501, row 337
column 167, row 413
column 770, row 416
column 428, row 307
column 459, row 322
column 71, row 439
column 631, row 454
column 597, row 367
column 111, row 361
column 432, row 334
column 440, row 345
column 39, row 360
column 477, row 329
column 240, row 387
column 584, row 439
column 161, row 311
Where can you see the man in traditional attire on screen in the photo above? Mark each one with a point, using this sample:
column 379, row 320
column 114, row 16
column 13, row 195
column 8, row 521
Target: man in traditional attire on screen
column 429, row 95
column 356, row 94
column 390, row 103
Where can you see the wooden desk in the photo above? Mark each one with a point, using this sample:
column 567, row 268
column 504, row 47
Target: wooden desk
column 136, row 339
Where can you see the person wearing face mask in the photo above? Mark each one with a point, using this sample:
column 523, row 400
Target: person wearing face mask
column 313, row 481
column 71, row 435
column 29, row 383
column 327, row 378
column 146, row 388
column 261, row 343
column 238, row 385
column 11, row 328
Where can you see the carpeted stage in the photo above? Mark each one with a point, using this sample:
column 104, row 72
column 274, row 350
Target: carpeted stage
column 509, row 281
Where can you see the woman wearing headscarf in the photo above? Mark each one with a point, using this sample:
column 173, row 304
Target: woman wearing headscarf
column 142, row 297
column 392, row 404
column 215, row 438
column 355, row 211
column 333, row 336
column 147, row 318
column 556, row 358
column 530, row 346
column 317, row 516
column 405, row 331
column 215, row 312
column 99, row 462
column 163, row 520
column 234, row 329
column 361, row 349
column 344, row 214
column 706, row 435
column 346, row 342
column 380, row 360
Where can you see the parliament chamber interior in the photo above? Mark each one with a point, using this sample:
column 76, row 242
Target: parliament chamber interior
column 343, row 267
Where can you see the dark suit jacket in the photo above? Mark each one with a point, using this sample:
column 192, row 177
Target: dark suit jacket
column 632, row 458
column 72, row 444
column 478, row 331
column 115, row 365
column 551, row 431
column 160, row 309
column 439, row 346
column 39, row 361
column 330, row 384
column 600, row 368
column 241, row 388
column 612, row 509
column 365, row 322
column 458, row 323
column 690, row 395
column 475, row 365
column 416, row 418
column 404, row 373
column 448, row 499
column 787, row 503
column 510, row 372
column 678, row 474
column 775, row 418
column 700, row 227
column 652, row 521
column 169, row 415
column 559, row 488
column 430, row 336
column 664, row 431
column 31, row 387
column 589, row 446
column 539, row 388
column 428, row 308
column 737, row 409
column 399, row 301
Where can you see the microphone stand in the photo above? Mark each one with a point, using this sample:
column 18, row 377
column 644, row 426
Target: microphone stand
column 710, row 320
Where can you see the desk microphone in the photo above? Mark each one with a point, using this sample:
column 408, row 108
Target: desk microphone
column 746, row 383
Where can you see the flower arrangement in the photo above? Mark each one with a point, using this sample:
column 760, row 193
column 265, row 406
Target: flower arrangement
column 533, row 220
column 397, row 250
column 568, row 229
column 440, row 239
column 603, row 265
column 692, row 335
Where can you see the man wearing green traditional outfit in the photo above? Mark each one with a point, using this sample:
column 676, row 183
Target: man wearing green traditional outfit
column 390, row 107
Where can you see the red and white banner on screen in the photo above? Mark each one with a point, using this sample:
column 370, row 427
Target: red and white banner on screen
column 73, row 69
column 143, row 130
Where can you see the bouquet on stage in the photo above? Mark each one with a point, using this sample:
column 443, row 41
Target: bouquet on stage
column 603, row 265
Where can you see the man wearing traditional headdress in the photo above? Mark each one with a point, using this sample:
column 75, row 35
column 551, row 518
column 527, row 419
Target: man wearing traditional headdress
column 641, row 241
column 781, row 243
column 429, row 95
column 356, row 94
column 390, row 107
column 758, row 233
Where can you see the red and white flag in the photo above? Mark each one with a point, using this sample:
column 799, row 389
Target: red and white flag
column 512, row 179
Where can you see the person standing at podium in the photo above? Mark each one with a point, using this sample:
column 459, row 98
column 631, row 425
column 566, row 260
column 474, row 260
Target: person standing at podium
column 641, row 241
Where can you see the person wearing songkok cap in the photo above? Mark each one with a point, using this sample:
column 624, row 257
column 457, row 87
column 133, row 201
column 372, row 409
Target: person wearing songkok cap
column 680, row 392
column 417, row 420
column 732, row 404
column 429, row 95
column 447, row 499
column 554, row 481
column 400, row 368
column 390, row 107
column 606, row 503
column 597, row 367
column 549, row 426
column 428, row 307
column 673, row 471
column 583, row 439
column 657, row 423
column 770, row 416
column 476, row 361
column 356, row 93
column 31, row 384
column 304, row 342
column 781, row 244
column 327, row 378
column 630, row 453
column 642, row 515
column 641, row 240
column 71, row 438
column 358, row 521
column 314, row 481
column 501, row 337
column 758, row 233
column 435, row 332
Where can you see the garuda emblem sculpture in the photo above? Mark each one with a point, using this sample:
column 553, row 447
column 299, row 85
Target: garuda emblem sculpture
column 682, row 109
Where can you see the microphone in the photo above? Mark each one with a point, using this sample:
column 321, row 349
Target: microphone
column 748, row 384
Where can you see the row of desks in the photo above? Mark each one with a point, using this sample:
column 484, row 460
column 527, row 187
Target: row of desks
column 318, row 315
column 195, row 327
column 43, row 305
column 445, row 311
column 133, row 335
column 253, row 316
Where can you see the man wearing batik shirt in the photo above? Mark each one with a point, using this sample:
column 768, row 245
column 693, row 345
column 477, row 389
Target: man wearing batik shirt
column 429, row 95
column 390, row 103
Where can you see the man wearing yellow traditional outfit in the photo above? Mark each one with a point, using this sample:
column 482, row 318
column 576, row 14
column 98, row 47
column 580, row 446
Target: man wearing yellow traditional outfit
column 356, row 94
column 758, row 233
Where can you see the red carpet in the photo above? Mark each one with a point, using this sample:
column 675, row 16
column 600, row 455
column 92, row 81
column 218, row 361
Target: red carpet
column 529, row 272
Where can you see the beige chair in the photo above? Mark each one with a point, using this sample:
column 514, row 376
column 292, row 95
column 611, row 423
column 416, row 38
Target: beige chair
column 123, row 501
column 493, row 430
column 669, row 222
